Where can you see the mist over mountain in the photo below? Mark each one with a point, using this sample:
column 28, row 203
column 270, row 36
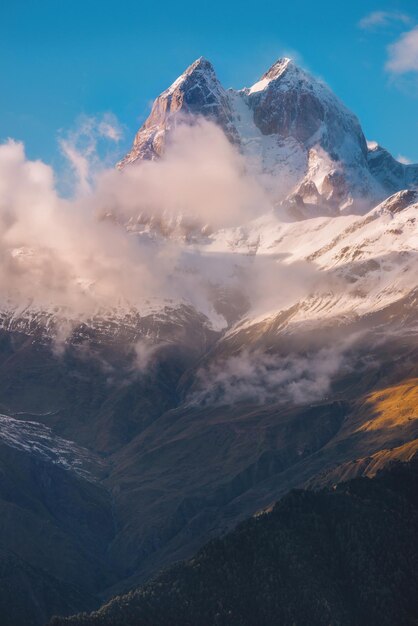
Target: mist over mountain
column 228, row 314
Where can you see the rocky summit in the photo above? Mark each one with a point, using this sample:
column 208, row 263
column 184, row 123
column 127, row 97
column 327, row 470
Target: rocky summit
column 301, row 133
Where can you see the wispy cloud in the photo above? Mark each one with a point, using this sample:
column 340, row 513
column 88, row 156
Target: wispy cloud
column 403, row 159
column 80, row 146
column 403, row 53
column 379, row 19
column 262, row 377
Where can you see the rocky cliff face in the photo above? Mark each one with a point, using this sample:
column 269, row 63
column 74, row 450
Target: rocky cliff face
column 292, row 127
column 196, row 92
column 391, row 174
column 287, row 101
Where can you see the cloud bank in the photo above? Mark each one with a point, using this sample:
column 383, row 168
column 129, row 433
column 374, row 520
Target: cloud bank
column 260, row 377
column 81, row 253
column 201, row 178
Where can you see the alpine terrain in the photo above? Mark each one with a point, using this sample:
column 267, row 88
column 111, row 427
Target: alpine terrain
column 280, row 353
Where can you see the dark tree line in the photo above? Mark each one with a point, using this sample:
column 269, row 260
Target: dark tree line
column 346, row 556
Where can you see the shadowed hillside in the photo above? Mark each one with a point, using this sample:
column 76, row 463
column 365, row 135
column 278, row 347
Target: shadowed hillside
column 339, row 556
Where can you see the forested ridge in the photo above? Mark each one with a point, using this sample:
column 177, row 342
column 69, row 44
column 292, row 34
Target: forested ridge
column 342, row 556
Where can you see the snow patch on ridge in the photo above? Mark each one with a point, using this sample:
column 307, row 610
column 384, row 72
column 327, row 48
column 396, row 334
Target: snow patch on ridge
column 260, row 85
column 37, row 439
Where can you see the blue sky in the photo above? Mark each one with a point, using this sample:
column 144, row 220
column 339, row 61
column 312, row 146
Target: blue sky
column 61, row 59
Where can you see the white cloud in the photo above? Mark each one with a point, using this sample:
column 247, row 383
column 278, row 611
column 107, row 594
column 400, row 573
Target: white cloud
column 201, row 178
column 372, row 145
column 79, row 162
column 262, row 377
column 403, row 53
column 403, row 159
column 144, row 353
column 80, row 147
column 378, row 19
column 75, row 253
column 110, row 128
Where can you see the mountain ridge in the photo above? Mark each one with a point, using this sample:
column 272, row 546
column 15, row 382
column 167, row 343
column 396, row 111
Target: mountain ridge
column 342, row 555
column 334, row 167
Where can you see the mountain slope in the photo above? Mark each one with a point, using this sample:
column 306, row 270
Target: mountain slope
column 56, row 521
column 185, row 459
column 341, row 556
column 271, row 365
column 391, row 174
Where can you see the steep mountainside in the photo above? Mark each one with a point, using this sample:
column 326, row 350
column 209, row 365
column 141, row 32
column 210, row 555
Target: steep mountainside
column 196, row 92
column 56, row 520
column 342, row 556
column 389, row 172
column 215, row 426
column 174, row 470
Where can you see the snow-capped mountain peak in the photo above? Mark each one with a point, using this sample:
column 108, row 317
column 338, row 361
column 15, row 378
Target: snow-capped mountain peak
column 290, row 126
column 289, row 103
column 276, row 70
column 391, row 174
column 200, row 70
column 279, row 67
column 195, row 92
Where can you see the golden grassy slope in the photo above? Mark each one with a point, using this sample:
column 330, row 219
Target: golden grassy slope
column 392, row 407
